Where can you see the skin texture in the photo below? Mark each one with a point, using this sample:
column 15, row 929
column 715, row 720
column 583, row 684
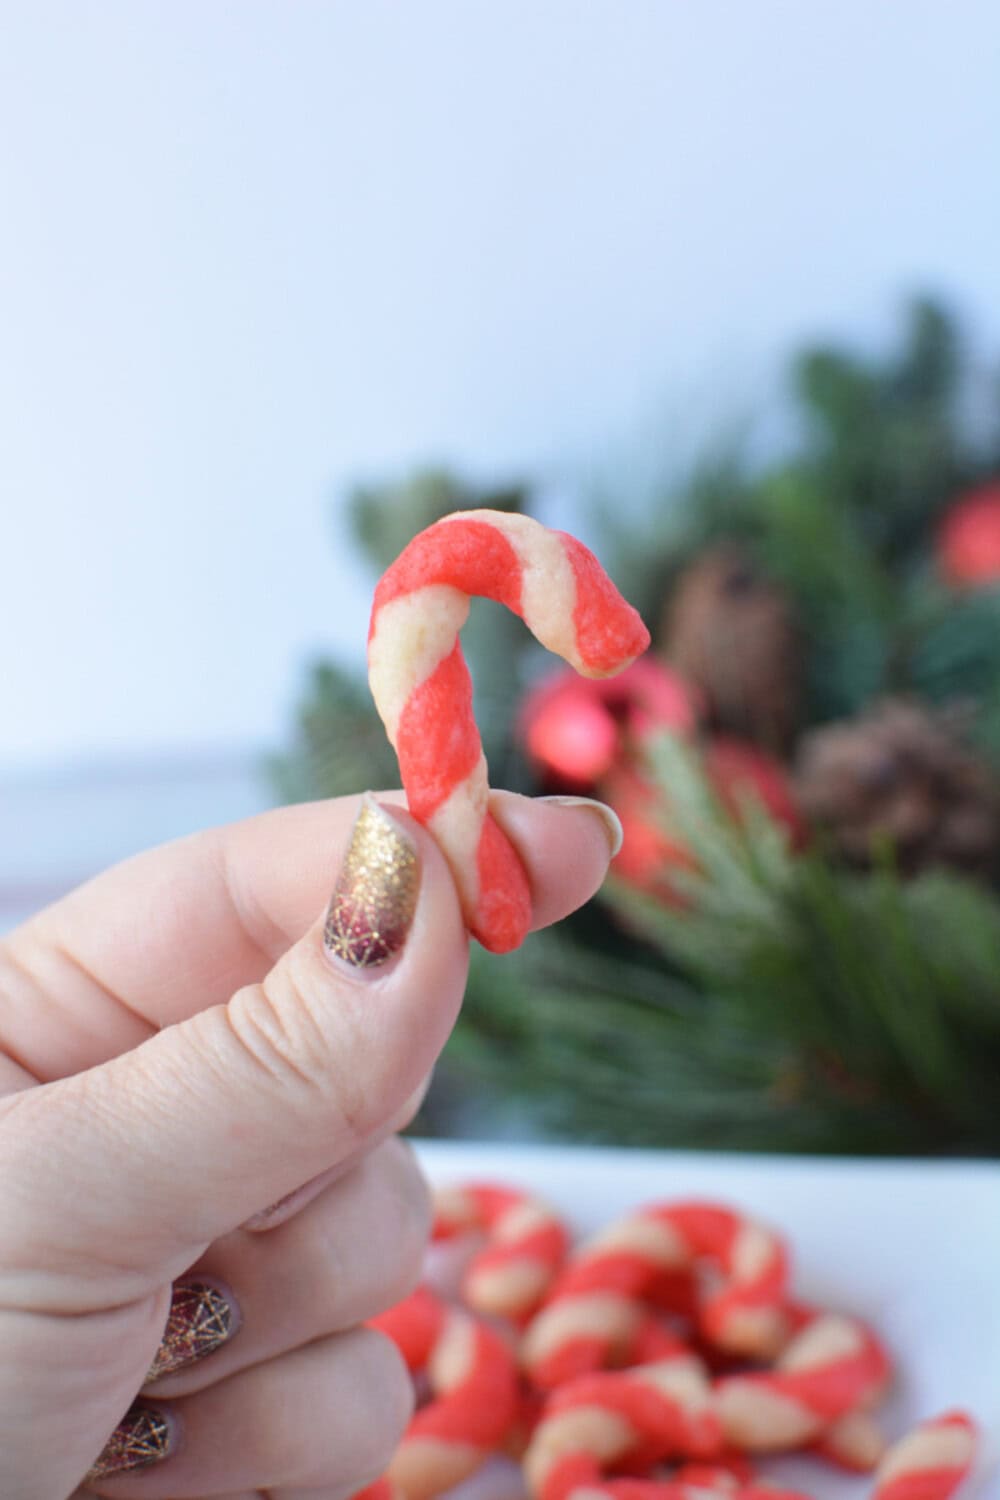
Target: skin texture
column 177, row 1053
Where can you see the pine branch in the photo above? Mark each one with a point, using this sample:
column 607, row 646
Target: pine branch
column 788, row 1004
column 856, row 974
column 340, row 747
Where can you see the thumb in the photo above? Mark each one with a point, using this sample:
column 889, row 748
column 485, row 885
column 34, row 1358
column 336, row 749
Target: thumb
column 130, row 1169
column 116, row 1179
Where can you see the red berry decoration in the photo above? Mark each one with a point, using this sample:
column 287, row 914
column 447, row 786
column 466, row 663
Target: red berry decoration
column 570, row 735
column 738, row 770
column 647, row 854
column 969, row 540
column 575, row 729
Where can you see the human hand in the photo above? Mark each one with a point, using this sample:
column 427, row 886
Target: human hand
column 178, row 1051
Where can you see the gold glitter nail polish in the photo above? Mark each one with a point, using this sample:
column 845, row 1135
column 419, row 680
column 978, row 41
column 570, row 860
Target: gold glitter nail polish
column 201, row 1318
column 144, row 1436
column 375, row 896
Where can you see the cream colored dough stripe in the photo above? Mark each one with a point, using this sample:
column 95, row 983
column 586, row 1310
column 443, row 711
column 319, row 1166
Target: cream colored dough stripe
column 760, row 1419
column 427, row 1466
column 453, row 1354
column 548, row 583
column 455, row 1205
column 457, row 824
column 682, row 1379
column 928, row 1448
column 652, row 1239
column 829, row 1339
column 593, row 1315
column 413, row 634
column 753, row 1251
column 522, row 1219
column 516, row 1282
column 582, row 1429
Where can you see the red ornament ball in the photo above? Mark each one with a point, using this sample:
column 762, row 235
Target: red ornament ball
column 575, row 729
column 969, row 540
column 572, row 736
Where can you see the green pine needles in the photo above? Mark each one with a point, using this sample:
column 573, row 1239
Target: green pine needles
column 780, row 1000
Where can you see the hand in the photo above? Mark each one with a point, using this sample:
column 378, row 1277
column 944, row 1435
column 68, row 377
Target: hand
column 183, row 1044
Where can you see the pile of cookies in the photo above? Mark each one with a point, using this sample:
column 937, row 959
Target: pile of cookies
column 656, row 1361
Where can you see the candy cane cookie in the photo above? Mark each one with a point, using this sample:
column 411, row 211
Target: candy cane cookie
column 833, row 1366
column 474, row 1396
column 598, row 1423
column 931, row 1462
column 527, row 1244
column 597, row 1308
column 423, row 692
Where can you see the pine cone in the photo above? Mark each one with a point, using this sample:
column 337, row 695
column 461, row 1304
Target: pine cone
column 901, row 775
column 732, row 632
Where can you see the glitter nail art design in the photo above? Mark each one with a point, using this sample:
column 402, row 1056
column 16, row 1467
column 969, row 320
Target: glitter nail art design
column 143, row 1437
column 200, row 1319
column 375, row 896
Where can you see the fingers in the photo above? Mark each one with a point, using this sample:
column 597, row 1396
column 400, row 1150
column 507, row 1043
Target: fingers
column 354, row 1251
column 326, row 1416
column 565, row 845
column 182, row 1139
column 276, row 1213
column 180, row 928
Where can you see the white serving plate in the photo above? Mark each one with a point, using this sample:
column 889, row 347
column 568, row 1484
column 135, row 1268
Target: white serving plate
column 912, row 1245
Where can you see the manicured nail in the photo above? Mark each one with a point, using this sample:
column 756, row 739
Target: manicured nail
column 374, row 899
column 612, row 822
column 201, row 1318
column 146, row 1435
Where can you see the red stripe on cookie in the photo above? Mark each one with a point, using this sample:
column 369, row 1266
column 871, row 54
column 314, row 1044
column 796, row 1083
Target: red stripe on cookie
column 471, row 556
column 504, row 906
column 437, row 739
column 609, row 631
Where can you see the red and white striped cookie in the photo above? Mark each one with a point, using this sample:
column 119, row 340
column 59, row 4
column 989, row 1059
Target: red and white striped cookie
column 599, row 1423
column 833, row 1366
column 474, row 1396
column 597, row 1309
column 931, row 1462
column 423, row 692
column 527, row 1243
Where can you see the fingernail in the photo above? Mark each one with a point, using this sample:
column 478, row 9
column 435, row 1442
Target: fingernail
column 374, row 899
column 201, row 1318
column 146, row 1435
column 610, row 819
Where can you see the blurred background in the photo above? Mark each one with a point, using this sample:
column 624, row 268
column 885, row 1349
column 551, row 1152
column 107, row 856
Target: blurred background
column 714, row 286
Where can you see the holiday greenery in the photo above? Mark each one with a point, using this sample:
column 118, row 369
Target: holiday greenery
column 800, row 944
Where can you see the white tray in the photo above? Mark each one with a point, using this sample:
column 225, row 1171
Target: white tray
column 914, row 1246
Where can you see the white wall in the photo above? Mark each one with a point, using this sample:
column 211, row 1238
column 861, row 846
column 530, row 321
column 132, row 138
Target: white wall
column 251, row 250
